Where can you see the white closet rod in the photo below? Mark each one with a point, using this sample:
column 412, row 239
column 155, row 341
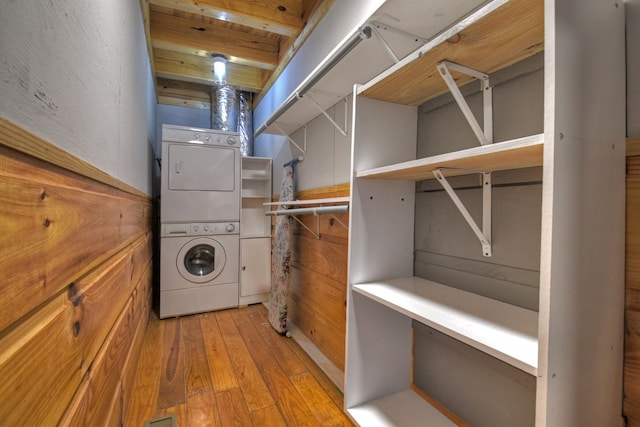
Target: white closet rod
column 318, row 73
column 315, row 210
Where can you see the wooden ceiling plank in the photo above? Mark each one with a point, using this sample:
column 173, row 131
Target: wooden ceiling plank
column 262, row 15
column 178, row 66
column 238, row 46
column 205, row 54
column 181, row 102
column 184, row 94
column 186, row 90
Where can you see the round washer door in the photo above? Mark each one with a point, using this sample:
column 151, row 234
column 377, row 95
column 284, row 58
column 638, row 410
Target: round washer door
column 201, row 260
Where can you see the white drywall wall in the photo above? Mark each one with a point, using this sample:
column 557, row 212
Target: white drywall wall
column 77, row 74
column 632, row 11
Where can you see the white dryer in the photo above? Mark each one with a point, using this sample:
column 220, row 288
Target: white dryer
column 198, row 267
column 200, row 176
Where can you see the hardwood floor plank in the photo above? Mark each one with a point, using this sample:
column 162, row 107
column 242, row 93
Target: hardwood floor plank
column 202, row 410
column 327, row 386
column 198, row 376
column 222, row 374
column 251, row 383
column 255, row 376
column 144, row 396
column 172, row 390
column 269, row 416
column 291, row 404
column 233, row 408
column 276, row 342
column 321, row 405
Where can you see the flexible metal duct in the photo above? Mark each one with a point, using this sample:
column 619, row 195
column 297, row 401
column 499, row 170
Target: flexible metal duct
column 231, row 112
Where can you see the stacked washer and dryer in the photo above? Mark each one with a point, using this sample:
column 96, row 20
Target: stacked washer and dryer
column 199, row 220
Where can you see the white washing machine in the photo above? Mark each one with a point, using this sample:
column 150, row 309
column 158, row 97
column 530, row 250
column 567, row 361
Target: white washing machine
column 198, row 267
column 200, row 175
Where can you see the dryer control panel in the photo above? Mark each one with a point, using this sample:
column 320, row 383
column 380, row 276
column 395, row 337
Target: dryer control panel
column 200, row 136
column 199, row 229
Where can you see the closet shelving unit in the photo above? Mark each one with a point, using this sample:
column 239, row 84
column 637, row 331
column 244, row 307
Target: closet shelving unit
column 255, row 230
column 581, row 281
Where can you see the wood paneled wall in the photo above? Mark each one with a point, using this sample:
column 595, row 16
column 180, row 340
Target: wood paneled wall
column 632, row 283
column 75, row 289
column 318, row 285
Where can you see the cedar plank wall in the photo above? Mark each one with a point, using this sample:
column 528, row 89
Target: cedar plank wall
column 318, row 284
column 75, row 290
column 631, row 408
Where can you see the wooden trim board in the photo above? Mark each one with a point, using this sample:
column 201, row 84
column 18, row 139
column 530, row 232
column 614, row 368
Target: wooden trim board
column 19, row 139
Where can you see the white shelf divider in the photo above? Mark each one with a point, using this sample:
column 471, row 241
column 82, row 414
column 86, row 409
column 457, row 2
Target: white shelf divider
column 504, row 331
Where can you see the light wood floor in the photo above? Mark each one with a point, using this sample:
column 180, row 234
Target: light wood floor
column 230, row 368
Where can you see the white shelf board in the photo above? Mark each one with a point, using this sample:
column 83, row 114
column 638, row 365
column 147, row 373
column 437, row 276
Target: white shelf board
column 513, row 154
column 255, row 176
column 311, row 201
column 254, row 236
column 254, row 195
column 441, row 38
column 405, row 408
column 504, row 331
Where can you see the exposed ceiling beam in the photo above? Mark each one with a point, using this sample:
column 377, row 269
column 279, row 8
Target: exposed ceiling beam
column 282, row 17
column 180, row 34
column 196, row 69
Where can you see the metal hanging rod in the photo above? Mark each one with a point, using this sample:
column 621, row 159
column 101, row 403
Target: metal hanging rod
column 318, row 73
column 315, row 210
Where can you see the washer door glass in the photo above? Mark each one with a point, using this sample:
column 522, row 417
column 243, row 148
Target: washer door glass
column 201, row 260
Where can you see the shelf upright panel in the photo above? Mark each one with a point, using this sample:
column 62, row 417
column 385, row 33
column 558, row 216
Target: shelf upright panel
column 380, row 245
column 583, row 210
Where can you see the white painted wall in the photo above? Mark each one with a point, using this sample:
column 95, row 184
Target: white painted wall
column 77, row 74
column 327, row 161
column 632, row 11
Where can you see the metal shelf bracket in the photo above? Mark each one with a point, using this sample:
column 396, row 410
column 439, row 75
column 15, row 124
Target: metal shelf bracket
column 324, row 113
column 377, row 26
column 483, row 235
column 485, row 134
column 275, row 125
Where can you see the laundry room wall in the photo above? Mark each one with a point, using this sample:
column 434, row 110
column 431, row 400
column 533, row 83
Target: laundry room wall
column 77, row 124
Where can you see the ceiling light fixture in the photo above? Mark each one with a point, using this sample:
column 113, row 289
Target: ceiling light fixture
column 219, row 69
